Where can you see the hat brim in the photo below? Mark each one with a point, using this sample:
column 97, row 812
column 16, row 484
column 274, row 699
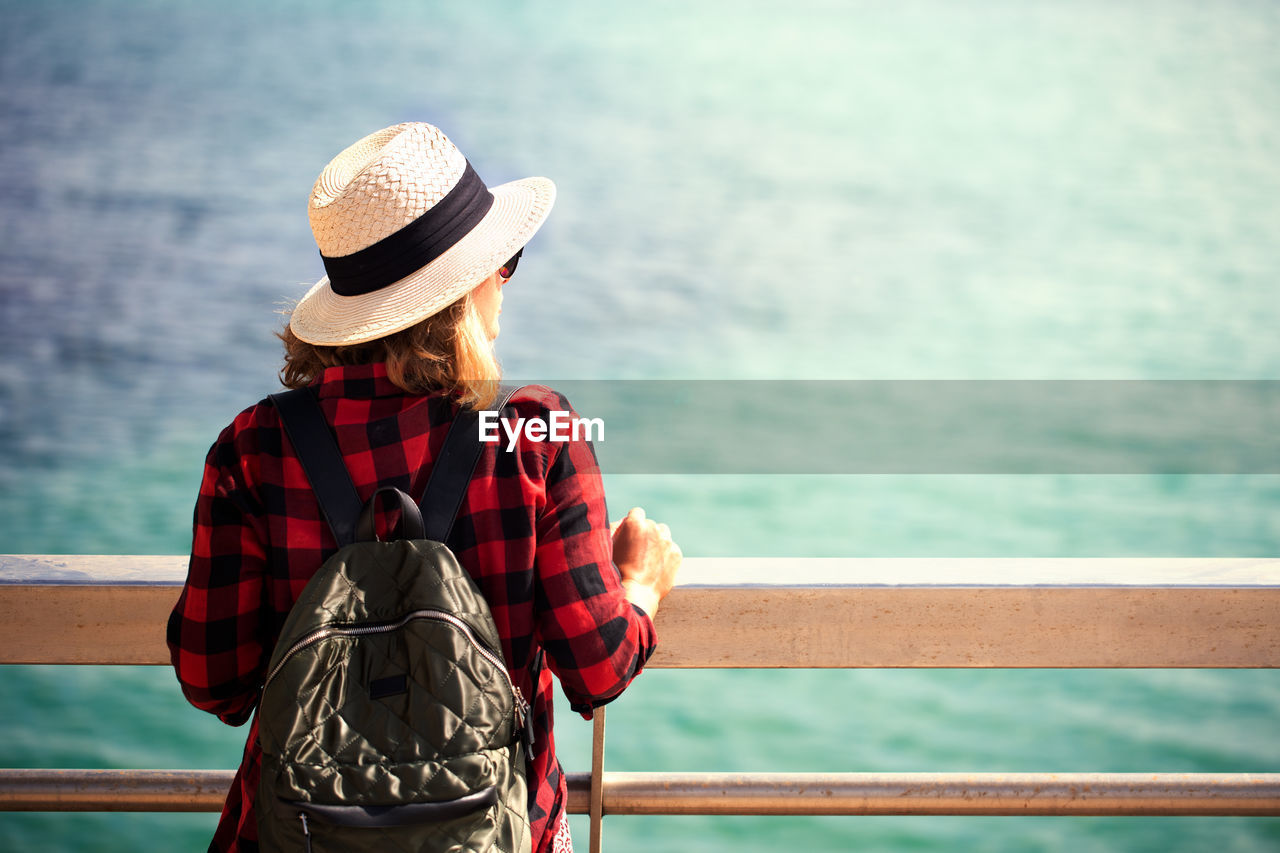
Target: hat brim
column 328, row 318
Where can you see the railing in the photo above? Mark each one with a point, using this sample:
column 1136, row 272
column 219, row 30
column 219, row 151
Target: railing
column 784, row 613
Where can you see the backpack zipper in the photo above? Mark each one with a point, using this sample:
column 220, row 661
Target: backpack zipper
column 523, row 718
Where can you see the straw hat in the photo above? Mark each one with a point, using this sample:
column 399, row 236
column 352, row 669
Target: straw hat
column 406, row 227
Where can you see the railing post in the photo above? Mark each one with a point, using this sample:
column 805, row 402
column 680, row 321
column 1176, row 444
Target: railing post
column 596, row 807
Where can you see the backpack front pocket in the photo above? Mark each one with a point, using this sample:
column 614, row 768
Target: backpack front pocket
column 322, row 828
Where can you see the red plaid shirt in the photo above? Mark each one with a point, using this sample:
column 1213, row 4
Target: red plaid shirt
column 532, row 531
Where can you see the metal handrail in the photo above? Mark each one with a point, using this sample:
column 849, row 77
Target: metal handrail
column 1079, row 794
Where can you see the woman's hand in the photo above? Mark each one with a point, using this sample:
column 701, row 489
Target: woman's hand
column 647, row 558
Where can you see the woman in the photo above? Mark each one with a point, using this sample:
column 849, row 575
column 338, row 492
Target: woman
column 395, row 339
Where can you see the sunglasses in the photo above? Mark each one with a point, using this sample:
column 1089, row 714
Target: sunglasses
column 509, row 268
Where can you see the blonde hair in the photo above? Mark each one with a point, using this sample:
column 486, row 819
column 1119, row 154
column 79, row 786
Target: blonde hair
column 448, row 351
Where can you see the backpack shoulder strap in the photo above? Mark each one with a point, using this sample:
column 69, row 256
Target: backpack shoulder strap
column 452, row 471
column 321, row 459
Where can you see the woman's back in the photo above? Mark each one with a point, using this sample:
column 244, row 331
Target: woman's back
column 532, row 530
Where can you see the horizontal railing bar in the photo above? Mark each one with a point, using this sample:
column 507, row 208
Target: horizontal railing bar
column 784, row 613
column 171, row 570
column 1008, row 794
column 42, row 790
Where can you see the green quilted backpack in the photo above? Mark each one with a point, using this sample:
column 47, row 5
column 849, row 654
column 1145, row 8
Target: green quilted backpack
column 388, row 720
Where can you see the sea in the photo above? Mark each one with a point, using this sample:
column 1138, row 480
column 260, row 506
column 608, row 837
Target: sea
column 748, row 190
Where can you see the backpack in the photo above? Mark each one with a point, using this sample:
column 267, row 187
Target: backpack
column 388, row 720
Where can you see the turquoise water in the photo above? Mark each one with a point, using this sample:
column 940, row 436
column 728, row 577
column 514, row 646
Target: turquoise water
column 815, row 190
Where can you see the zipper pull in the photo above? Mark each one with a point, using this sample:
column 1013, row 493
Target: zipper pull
column 524, row 717
column 306, row 830
column 535, row 673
